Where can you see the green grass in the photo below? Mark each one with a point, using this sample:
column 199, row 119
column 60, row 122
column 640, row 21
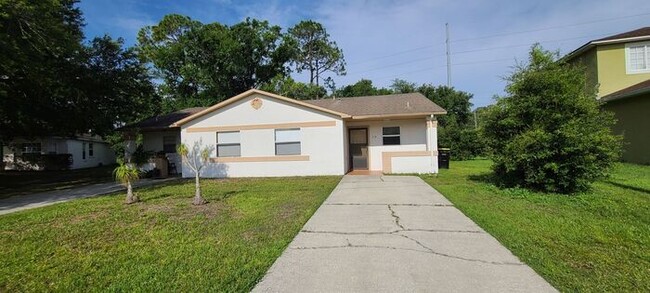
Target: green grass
column 162, row 243
column 25, row 182
column 594, row 241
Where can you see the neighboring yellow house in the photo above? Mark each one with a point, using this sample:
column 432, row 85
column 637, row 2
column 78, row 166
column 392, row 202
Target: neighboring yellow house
column 619, row 66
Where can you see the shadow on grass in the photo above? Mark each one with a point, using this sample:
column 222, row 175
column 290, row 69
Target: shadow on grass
column 629, row 187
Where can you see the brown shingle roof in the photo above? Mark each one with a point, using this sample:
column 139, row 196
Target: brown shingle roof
column 398, row 104
column 164, row 121
column 642, row 32
column 637, row 89
column 637, row 33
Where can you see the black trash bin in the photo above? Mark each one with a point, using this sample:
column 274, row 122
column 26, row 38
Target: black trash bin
column 443, row 158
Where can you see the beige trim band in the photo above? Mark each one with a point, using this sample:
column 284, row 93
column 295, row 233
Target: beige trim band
column 387, row 157
column 263, row 126
column 260, row 159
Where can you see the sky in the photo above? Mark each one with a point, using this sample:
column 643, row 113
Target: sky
column 387, row 39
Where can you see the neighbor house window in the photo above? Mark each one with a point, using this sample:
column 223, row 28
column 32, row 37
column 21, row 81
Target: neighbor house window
column 169, row 144
column 31, row 148
column 228, row 144
column 638, row 57
column 391, row 135
column 287, row 142
column 91, row 151
column 83, row 151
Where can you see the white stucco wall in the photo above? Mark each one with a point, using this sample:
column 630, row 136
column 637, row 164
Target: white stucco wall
column 324, row 144
column 102, row 154
column 413, row 137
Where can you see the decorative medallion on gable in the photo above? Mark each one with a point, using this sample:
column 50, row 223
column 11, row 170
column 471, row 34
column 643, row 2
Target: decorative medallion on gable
column 256, row 103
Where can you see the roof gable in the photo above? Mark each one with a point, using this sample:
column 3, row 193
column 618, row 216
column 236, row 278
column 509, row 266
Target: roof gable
column 630, row 36
column 250, row 93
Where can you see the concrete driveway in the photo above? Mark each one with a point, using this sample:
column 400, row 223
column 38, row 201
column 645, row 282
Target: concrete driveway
column 395, row 234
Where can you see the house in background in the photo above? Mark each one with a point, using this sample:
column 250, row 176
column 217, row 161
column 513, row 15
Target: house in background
column 260, row 134
column 619, row 66
column 82, row 151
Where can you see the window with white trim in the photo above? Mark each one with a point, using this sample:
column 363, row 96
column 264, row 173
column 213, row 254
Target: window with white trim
column 31, row 148
column 391, row 135
column 91, row 150
column 287, row 142
column 228, row 144
column 637, row 57
column 83, row 151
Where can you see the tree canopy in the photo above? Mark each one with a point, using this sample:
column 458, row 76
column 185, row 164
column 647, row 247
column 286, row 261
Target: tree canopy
column 549, row 133
column 201, row 64
column 54, row 83
column 316, row 53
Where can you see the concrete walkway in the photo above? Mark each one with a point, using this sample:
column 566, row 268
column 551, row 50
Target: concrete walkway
column 395, row 234
column 35, row 200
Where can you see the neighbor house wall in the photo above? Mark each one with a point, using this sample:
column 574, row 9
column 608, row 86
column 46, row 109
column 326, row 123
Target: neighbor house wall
column 413, row 145
column 633, row 122
column 589, row 60
column 322, row 147
column 102, row 154
column 612, row 74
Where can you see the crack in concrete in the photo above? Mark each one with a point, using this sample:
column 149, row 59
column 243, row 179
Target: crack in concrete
column 390, row 232
column 394, row 215
column 454, row 256
column 426, row 250
column 390, row 204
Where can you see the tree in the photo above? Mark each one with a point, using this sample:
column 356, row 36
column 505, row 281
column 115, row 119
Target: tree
column 363, row 87
column 202, row 64
column 288, row 87
column 196, row 159
column 316, row 52
column 549, row 132
column 401, row 86
column 53, row 75
column 127, row 174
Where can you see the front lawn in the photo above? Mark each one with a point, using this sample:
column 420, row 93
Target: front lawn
column 161, row 244
column 594, row 241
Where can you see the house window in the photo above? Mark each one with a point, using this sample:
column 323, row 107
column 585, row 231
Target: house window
column 169, row 144
column 91, row 151
column 391, row 135
column 287, row 142
column 638, row 57
column 31, row 148
column 83, row 151
column 228, row 144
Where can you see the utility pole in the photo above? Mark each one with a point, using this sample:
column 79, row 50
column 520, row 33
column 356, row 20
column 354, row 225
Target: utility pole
column 448, row 56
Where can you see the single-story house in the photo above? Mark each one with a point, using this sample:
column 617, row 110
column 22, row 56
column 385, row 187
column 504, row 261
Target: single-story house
column 260, row 134
column 54, row 152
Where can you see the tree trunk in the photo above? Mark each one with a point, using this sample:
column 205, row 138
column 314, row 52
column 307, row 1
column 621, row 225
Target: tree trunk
column 311, row 76
column 198, row 199
column 130, row 198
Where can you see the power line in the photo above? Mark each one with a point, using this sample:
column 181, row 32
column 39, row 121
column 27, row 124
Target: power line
column 550, row 27
column 465, row 52
column 497, row 35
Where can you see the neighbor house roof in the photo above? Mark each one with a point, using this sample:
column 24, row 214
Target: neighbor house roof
column 164, row 121
column 640, row 34
column 628, row 92
column 411, row 104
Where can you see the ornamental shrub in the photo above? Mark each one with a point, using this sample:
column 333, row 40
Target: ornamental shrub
column 548, row 132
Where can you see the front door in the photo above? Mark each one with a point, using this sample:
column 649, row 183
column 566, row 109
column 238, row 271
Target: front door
column 359, row 148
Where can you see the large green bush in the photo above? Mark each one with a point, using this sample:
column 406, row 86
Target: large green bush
column 548, row 133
